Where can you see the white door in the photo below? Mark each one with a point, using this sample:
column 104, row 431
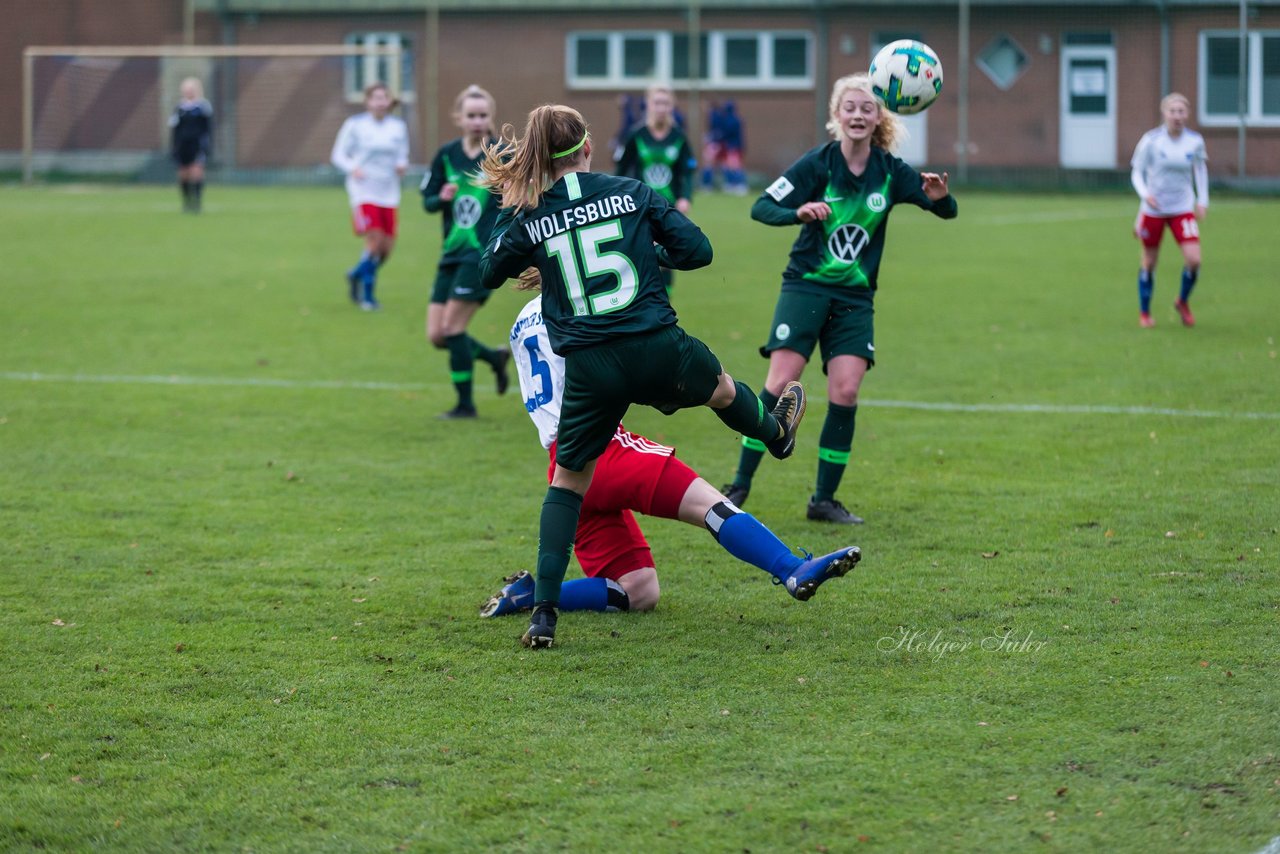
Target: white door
column 915, row 148
column 1087, row 138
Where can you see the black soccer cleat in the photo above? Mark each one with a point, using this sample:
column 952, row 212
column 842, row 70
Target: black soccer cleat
column 542, row 627
column 458, row 413
column 500, row 373
column 789, row 411
column 830, row 510
column 735, row 494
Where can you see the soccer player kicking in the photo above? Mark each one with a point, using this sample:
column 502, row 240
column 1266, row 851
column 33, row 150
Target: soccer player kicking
column 636, row 474
column 597, row 242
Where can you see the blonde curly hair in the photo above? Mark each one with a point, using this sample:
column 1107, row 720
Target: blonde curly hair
column 888, row 133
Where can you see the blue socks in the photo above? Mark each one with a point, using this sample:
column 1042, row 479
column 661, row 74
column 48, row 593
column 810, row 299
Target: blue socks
column 366, row 272
column 742, row 536
column 1188, row 282
column 593, row 594
column 1146, row 284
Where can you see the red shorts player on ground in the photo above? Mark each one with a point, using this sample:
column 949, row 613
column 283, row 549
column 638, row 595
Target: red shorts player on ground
column 636, row 474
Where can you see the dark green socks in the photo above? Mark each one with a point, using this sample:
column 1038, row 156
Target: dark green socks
column 749, row 416
column 461, row 365
column 753, row 449
column 833, row 449
column 556, row 530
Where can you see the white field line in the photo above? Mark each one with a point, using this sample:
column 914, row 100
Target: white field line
column 250, row 382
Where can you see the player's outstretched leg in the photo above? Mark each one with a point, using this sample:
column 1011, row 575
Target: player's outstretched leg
column 744, row 537
column 805, row 579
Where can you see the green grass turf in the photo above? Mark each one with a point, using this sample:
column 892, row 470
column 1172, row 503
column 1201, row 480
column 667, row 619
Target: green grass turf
column 239, row 609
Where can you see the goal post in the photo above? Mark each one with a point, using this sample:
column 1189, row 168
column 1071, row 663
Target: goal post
column 276, row 108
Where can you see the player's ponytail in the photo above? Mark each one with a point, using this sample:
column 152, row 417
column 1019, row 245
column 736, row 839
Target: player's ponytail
column 888, row 133
column 522, row 168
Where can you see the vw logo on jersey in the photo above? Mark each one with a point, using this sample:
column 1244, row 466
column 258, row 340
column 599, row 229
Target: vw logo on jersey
column 466, row 211
column 877, row 202
column 783, row 332
column 657, row 175
column 847, row 242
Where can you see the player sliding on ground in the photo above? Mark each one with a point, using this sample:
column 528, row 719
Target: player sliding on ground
column 597, row 242
column 636, row 474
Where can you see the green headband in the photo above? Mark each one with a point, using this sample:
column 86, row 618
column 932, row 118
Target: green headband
column 569, row 151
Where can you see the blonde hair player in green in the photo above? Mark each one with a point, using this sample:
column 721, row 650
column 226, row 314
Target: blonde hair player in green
column 597, row 242
column 657, row 154
column 840, row 194
column 467, row 211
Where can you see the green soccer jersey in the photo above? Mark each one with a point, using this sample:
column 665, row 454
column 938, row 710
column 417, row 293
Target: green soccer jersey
column 468, row 219
column 665, row 165
column 845, row 249
column 592, row 238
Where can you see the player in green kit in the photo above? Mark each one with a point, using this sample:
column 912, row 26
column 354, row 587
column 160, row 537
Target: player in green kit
column 467, row 211
column 840, row 194
column 658, row 154
column 596, row 243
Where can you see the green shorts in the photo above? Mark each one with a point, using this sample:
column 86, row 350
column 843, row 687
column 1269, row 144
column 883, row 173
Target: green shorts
column 666, row 369
column 838, row 321
column 459, row 281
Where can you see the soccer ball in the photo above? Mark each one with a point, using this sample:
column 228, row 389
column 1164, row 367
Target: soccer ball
column 906, row 76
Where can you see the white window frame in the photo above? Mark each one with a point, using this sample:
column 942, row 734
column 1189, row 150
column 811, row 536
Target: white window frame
column 764, row 79
column 1254, row 117
column 376, row 43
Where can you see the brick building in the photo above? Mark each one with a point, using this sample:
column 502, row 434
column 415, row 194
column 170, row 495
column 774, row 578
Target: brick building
column 1048, row 88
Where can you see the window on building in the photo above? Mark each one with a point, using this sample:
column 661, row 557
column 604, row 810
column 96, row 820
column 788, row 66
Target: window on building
column 1003, row 61
column 361, row 70
column 1219, row 102
column 730, row 59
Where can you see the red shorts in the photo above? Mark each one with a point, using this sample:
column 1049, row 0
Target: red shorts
column 374, row 217
column 633, row 474
column 1184, row 226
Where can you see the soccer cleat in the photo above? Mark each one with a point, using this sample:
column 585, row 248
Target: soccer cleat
column 735, row 494
column 516, row 596
column 1146, row 321
column 458, row 412
column 370, row 305
column 542, row 628
column 789, row 411
column 810, row 575
column 830, row 510
column 500, row 371
column 1184, row 311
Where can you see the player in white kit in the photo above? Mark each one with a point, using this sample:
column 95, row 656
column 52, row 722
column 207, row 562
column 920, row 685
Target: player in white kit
column 372, row 149
column 1172, row 180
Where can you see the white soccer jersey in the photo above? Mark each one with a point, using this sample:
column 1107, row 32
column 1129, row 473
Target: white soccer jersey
column 1171, row 169
column 540, row 370
column 377, row 148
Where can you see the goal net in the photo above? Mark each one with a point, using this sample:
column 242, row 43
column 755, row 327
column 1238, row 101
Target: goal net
column 276, row 108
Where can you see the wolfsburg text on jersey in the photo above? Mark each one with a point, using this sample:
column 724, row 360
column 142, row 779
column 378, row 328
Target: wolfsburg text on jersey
column 559, row 222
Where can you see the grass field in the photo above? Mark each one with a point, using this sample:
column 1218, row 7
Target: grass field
column 241, row 559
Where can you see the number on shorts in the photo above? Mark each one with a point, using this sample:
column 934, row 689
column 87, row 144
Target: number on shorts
column 1190, row 228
